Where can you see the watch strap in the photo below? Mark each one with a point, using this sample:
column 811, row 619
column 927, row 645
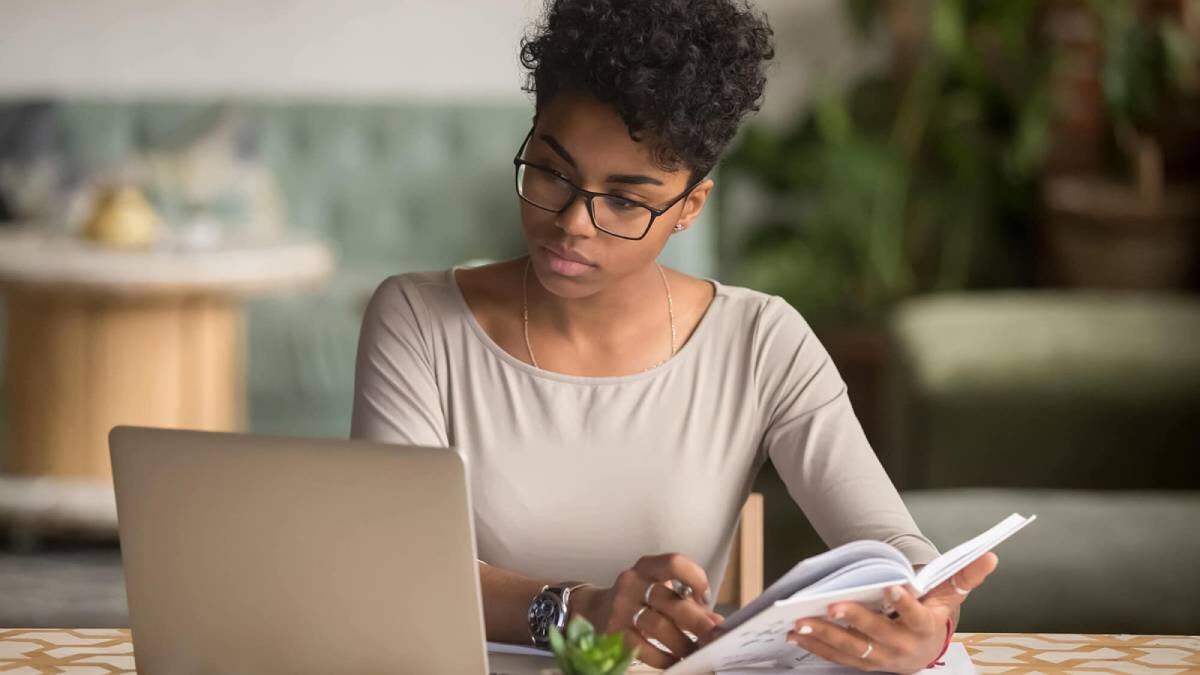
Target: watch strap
column 562, row 591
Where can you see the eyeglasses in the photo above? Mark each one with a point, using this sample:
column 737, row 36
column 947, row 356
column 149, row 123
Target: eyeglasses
column 623, row 218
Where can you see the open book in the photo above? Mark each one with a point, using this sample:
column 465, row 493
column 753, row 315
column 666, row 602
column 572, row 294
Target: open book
column 855, row 572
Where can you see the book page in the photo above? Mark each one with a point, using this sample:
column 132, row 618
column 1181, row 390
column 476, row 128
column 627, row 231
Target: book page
column 967, row 552
column 759, row 637
column 868, row 572
column 812, row 570
column 763, row 637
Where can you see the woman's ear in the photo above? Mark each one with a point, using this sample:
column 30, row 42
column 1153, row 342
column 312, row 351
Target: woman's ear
column 693, row 205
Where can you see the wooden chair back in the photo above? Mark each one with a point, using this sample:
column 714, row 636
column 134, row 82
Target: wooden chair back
column 744, row 575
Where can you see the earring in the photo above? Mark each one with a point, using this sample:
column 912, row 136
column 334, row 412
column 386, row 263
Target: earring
column 678, row 227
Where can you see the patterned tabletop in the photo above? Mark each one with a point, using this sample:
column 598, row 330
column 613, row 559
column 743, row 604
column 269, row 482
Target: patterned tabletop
column 85, row 651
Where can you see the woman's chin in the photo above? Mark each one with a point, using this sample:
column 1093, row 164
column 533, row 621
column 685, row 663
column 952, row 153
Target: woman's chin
column 565, row 286
column 564, row 278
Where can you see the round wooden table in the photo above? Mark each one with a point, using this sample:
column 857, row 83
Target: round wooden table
column 98, row 337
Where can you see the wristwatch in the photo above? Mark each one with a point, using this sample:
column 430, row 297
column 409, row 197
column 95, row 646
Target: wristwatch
column 549, row 610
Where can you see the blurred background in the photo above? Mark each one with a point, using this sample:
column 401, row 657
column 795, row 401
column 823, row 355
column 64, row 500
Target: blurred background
column 988, row 211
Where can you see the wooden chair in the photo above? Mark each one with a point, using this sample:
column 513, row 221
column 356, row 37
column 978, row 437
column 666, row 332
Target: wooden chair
column 744, row 575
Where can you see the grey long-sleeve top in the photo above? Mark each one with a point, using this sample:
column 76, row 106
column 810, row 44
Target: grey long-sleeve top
column 577, row 477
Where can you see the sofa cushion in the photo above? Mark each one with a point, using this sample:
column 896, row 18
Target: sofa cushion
column 1092, row 562
column 1050, row 389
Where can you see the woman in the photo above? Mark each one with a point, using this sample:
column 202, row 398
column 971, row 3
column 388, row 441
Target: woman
column 615, row 412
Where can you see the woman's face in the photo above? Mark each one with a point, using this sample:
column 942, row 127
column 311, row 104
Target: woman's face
column 585, row 141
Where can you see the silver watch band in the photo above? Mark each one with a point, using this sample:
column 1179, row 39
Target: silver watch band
column 569, row 587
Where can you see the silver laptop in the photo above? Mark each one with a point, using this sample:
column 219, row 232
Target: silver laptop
column 250, row 554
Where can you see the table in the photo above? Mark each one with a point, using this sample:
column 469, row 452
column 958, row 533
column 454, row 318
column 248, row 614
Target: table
column 109, row 650
column 98, row 337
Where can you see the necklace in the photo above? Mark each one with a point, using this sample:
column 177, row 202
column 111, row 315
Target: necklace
column 525, row 313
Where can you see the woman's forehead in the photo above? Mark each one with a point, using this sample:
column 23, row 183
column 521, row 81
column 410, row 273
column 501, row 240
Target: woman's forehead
column 592, row 133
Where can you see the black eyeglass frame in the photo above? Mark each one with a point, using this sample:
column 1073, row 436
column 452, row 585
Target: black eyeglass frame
column 588, row 195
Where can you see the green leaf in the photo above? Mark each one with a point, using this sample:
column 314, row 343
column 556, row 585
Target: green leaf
column 579, row 628
column 833, row 119
column 557, row 644
column 584, row 652
column 947, row 27
column 1179, row 56
column 623, row 664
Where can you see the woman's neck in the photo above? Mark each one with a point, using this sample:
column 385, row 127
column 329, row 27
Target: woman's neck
column 631, row 305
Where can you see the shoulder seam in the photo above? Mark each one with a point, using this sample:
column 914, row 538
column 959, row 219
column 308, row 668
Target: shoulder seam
column 410, row 289
column 754, row 376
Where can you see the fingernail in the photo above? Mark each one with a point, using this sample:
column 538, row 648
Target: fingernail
column 792, row 639
column 805, row 630
column 839, row 615
column 887, row 608
column 707, row 596
column 895, row 594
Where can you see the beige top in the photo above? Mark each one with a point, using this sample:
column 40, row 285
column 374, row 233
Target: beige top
column 577, row 477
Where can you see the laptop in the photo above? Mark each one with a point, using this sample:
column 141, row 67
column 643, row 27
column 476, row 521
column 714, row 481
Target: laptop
column 254, row 554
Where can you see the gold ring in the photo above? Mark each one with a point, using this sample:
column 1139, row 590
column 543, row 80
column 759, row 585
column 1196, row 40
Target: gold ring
column 956, row 588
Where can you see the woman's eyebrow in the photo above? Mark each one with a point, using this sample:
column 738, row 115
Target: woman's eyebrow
column 633, row 180
column 557, row 147
column 628, row 179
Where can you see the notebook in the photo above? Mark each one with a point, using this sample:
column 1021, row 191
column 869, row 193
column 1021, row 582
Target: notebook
column 755, row 635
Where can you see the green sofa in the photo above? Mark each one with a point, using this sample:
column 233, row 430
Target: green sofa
column 1081, row 407
column 1054, row 389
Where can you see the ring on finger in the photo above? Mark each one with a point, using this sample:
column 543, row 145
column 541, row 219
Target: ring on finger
column 646, row 595
column 957, row 589
column 638, row 614
column 867, row 652
column 681, row 589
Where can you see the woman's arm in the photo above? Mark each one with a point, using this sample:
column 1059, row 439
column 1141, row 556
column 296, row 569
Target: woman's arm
column 397, row 400
column 817, row 445
column 396, row 396
column 506, row 599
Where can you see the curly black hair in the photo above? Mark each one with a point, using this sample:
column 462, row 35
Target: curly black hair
column 682, row 73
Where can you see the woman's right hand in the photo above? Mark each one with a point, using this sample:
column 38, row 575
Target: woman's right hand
column 667, row 615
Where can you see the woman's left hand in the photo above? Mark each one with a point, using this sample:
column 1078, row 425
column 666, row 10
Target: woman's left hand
column 906, row 644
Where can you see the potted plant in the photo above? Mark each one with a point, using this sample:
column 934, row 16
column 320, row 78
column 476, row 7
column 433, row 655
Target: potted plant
column 920, row 178
column 1131, row 219
column 583, row 652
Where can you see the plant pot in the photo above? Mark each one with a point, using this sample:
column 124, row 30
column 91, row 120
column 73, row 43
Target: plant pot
column 1100, row 233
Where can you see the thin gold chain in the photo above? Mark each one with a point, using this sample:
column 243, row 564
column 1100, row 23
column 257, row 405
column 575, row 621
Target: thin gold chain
column 525, row 313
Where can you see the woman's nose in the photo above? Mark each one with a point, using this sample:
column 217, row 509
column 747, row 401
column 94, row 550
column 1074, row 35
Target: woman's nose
column 575, row 219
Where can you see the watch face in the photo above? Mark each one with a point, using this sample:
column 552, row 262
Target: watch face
column 545, row 612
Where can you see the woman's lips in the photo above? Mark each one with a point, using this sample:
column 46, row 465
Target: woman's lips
column 565, row 266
